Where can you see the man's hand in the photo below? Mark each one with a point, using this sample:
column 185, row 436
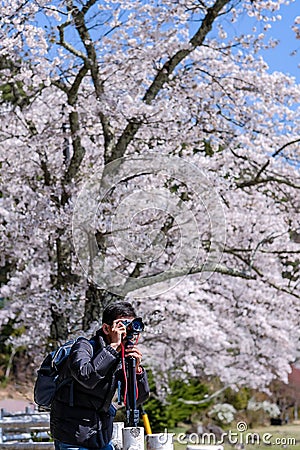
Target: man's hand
column 118, row 331
column 134, row 352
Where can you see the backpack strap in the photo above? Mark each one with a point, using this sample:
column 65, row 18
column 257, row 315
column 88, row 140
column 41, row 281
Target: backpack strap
column 93, row 344
column 71, row 380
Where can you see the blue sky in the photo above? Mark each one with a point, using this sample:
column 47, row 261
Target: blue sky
column 279, row 58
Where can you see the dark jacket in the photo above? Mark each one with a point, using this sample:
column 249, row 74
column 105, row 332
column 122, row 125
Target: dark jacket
column 82, row 413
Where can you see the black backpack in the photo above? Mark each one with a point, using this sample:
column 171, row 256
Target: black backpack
column 47, row 382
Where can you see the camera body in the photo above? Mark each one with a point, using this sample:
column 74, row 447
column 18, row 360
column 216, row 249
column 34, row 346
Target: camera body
column 133, row 327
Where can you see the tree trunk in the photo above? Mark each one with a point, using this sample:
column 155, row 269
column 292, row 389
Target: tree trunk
column 96, row 300
column 59, row 328
column 296, row 411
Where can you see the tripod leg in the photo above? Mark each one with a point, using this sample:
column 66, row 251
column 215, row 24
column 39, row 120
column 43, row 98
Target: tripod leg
column 132, row 413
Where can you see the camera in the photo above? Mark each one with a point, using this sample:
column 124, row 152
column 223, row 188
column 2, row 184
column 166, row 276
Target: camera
column 133, row 327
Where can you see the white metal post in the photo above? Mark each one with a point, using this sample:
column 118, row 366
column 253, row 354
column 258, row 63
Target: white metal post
column 133, row 438
column 117, row 435
column 160, row 441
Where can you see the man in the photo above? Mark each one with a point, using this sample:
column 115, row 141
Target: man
column 82, row 412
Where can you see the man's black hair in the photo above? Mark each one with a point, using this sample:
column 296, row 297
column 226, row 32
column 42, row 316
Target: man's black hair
column 116, row 310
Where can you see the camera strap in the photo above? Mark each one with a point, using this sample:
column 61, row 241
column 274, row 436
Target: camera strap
column 124, row 369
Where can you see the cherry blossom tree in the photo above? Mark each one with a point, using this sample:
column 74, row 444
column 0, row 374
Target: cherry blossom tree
column 296, row 27
column 148, row 153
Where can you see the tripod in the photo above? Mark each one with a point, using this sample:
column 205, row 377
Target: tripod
column 132, row 413
column 133, row 329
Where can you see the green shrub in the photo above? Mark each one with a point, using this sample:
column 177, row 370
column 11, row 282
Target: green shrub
column 171, row 411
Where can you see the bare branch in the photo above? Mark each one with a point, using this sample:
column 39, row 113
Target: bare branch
column 284, row 146
column 66, row 45
column 88, row 5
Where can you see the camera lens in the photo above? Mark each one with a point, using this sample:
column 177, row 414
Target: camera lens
column 137, row 325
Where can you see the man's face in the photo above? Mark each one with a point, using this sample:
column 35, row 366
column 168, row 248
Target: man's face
column 118, row 326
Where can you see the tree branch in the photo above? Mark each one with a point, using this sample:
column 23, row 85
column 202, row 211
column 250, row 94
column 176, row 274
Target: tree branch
column 109, row 137
column 78, row 149
column 91, row 64
column 162, row 76
column 88, row 5
column 275, row 286
column 128, row 134
column 66, row 45
column 198, row 38
column 133, row 284
column 91, row 59
column 255, row 182
column 276, row 153
column 260, row 274
column 73, row 90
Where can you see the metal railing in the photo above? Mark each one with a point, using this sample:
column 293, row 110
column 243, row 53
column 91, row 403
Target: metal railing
column 25, row 430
